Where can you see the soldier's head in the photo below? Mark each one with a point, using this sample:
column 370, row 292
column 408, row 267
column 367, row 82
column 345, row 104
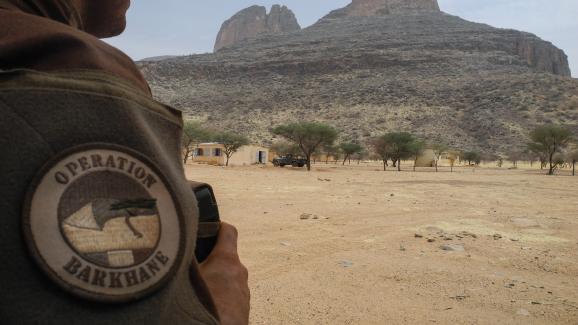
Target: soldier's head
column 102, row 18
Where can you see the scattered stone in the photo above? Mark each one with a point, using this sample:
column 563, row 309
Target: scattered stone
column 497, row 236
column 459, row 297
column 510, row 285
column 536, row 303
column 305, row 216
column 468, row 234
column 418, row 236
column 315, row 217
column 453, row 248
column 346, row 263
column 514, row 239
column 327, row 180
column 523, row 312
column 392, row 195
column 430, row 240
column 284, row 243
column 448, row 238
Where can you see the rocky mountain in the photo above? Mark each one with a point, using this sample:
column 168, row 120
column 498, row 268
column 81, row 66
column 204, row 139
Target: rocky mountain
column 385, row 7
column 254, row 21
column 378, row 66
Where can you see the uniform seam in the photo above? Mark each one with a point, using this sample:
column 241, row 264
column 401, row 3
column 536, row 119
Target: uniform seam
column 5, row 104
column 140, row 105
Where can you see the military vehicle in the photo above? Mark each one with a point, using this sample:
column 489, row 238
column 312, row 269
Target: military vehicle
column 289, row 160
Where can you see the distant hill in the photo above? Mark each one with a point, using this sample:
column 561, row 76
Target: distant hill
column 158, row 58
column 378, row 66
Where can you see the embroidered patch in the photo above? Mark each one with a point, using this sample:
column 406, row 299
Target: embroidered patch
column 102, row 222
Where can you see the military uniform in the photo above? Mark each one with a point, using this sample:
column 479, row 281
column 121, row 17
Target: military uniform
column 98, row 222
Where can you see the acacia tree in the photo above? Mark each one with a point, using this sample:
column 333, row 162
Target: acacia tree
column 549, row 140
column 529, row 156
column 360, row 155
column 472, row 157
column 453, row 155
column 381, row 148
column 283, row 148
column 514, row 157
column 500, row 162
column 438, row 149
column 538, row 151
column 399, row 146
column 573, row 158
column 488, row 157
column 331, row 151
column 193, row 134
column 348, row 149
column 309, row 136
column 231, row 142
column 416, row 150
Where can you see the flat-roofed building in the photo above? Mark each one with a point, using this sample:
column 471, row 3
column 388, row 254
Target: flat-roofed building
column 214, row 154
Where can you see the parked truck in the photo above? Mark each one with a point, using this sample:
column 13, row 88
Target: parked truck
column 289, row 160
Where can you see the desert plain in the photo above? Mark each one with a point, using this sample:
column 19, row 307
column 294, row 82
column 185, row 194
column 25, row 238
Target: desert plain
column 356, row 245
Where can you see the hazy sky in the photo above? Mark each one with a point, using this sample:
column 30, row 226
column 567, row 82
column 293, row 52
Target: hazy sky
column 178, row 27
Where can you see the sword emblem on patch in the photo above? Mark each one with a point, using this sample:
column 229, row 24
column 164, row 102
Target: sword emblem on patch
column 102, row 222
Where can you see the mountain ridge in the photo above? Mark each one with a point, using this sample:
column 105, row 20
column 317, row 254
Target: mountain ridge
column 427, row 72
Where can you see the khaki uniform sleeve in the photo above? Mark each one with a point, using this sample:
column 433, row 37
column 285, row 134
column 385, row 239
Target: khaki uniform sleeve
column 43, row 115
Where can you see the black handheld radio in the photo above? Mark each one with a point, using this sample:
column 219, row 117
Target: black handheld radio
column 209, row 220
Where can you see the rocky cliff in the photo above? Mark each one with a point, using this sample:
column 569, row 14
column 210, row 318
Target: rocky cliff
column 281, row 20
column 386, row 7
column 542, row 56
column 253, row 21
column 422, row 71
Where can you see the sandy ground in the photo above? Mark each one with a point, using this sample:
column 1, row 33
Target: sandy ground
column 371, row 252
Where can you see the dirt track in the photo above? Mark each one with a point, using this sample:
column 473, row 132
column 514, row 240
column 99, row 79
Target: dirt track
column 359, row 257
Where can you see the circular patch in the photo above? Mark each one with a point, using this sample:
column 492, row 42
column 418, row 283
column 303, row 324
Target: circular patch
column 102, row 222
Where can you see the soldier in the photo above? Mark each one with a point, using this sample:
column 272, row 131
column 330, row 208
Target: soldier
column 98, row 224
